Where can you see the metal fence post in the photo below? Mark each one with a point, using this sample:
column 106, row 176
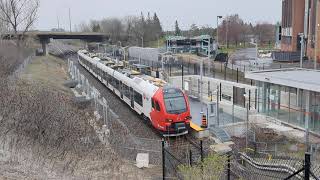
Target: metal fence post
column 190, row 157
column 256, row 98
column 307, row 165
column 247, row 128
column 182, row 73
column 232, row 72
column 237, row 75
column 201, row 150
column 163, row 161
column 249, row 99
column 229, row 168
column 220, row 92
column 217, row 114
column 225, row 72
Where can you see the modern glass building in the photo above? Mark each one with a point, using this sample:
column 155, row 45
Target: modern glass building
column 289, row 95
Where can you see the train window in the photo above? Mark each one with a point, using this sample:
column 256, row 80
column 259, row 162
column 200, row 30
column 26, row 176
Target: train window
column 157, row 106
column 174, row 101
column 117, row 83
column 138, row 98
column 152, row 103
column 126, row 91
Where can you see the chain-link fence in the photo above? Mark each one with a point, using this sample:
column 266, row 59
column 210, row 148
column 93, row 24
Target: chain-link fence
column 223, row 102
column 109, row 127
column 262, row 152
column 21, row 68
column 257, row 152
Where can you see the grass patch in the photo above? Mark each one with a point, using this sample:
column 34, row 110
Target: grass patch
column 49, row 71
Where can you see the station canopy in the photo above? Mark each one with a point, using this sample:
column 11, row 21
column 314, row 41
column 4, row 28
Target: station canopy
column 293, row 77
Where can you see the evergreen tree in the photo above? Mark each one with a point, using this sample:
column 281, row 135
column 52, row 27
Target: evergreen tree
column 177, row 29
column 96, row 28
column 157, row 25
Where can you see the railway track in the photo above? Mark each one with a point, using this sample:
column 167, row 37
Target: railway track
column 146, row 138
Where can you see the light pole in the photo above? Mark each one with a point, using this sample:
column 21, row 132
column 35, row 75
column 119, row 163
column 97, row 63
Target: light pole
column 141, row 41
column 70, row 19
column 218, row 17
column 302, row 48
column 105, row 48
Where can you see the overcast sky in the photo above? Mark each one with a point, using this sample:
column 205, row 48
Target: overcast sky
column 200, row 12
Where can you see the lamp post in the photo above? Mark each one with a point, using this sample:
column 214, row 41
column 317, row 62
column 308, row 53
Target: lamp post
column 302, row 48
column 141, row 41
column 218, row 17
column 201, row 91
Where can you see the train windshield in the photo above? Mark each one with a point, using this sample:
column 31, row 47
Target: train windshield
column 174, row 101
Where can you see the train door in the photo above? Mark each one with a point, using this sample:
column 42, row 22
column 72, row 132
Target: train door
column 121, row 89
column 155, row 114
column 132, row 97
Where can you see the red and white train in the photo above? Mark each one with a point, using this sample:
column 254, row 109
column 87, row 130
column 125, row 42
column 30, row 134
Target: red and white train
column 166, row 107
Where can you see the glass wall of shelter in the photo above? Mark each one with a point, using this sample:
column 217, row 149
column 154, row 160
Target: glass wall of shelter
column 290, row 105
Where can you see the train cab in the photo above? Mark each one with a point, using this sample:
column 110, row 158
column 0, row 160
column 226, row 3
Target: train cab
column 170, row 111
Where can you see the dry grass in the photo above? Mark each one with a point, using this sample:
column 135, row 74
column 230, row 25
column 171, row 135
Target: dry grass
column 48, row 71
column 43, row 135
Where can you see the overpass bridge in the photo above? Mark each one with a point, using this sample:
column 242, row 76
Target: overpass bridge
column 45, row 36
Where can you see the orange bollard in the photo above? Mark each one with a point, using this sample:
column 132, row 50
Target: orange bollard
column 204, row 122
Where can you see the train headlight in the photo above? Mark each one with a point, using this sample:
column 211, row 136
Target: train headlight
column 169, row 120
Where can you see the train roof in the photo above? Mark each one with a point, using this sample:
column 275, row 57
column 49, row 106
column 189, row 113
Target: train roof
column 147, row 84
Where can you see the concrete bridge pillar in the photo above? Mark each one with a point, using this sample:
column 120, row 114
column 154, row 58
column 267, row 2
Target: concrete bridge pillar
column 44, row 44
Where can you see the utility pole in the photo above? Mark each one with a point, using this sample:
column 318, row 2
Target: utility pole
column 142, row 41
column 70, row 19
column 58, row 22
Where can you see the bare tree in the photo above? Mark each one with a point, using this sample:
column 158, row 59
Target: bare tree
column 114, row 27
column 20, row 15
column 265, row 33
column 83, row 27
